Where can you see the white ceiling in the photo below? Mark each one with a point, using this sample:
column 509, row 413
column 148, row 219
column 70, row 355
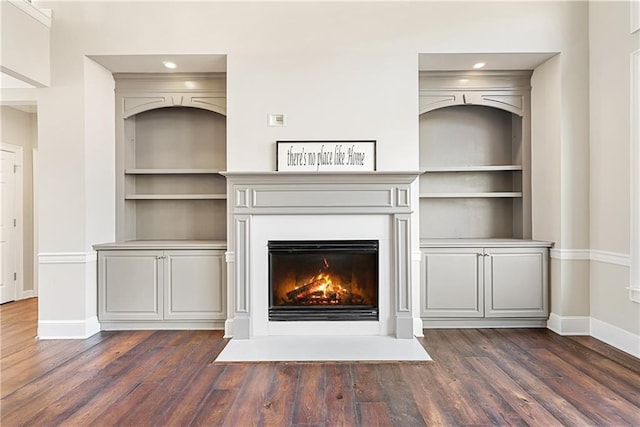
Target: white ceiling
column 218, row 63
column 493, row 61
column 153, row 63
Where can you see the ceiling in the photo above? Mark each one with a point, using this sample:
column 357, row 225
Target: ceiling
column 153, row 63
column 493, row 61
column 218, row 63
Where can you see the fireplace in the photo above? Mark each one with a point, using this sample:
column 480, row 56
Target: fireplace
column 318, row 207
column 323, row 280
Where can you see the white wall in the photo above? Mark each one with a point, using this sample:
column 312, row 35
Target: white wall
column 338, row 70
column 610, row 98
column 19, row 128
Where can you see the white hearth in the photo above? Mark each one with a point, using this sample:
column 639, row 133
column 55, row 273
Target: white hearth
column 324, row 206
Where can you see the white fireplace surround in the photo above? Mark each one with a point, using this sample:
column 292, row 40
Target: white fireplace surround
column 318, row 206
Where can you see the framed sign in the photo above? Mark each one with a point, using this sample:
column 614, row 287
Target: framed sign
column 325, row 156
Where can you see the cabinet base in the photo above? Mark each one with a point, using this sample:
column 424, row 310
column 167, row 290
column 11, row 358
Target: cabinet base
column 483, row 323
column 111, row 325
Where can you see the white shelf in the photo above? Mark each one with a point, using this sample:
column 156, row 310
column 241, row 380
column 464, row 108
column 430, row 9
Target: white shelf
column 496, row 168
column 481, row 243
column 505, row 194
column 162, row 244
column 136, row 171
column 176, row 197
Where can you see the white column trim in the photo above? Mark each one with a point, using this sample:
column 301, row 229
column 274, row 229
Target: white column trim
column 402, row 265
column 634, row 274
column 242, row 293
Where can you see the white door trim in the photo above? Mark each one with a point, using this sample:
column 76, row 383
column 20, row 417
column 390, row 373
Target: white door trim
column 34, row 171
column 19, row 195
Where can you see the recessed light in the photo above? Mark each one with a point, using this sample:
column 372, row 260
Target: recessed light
column 478, row 65
column 169, row 64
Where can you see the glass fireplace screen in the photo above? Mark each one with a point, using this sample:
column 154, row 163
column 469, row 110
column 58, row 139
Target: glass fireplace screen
column 323, row 280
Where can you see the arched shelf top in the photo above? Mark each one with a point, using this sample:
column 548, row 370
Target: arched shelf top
column 133, row 105
column 512, row 103
column 137, row 93
column 504, row 90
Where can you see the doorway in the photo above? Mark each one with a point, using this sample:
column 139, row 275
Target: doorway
column 10, row 218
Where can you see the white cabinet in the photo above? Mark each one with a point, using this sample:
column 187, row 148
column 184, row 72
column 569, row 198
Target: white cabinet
column 193, row 285
column 479, row 266
column 130, row 285
column 167, row 267
column 153, row 288
column 452, row 283
column 515, row 282
column 508, row 279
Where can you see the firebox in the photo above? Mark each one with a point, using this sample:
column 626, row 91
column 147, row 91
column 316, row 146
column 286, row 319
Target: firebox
column 323, row 280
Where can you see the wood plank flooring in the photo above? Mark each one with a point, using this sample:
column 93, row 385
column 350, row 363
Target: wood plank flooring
column 168, row 378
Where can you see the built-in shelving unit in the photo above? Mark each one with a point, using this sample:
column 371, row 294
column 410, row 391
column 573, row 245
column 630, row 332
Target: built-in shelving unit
column 479, row 266
column 172, row 149
column 474, row 155
column 167, row 268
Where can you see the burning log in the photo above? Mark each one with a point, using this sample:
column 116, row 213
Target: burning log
column 305, row 291
column 316, row 293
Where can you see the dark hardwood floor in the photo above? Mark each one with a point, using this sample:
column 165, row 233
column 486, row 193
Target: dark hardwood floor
column 167, row 378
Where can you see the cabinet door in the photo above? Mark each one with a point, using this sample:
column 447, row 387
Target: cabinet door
column 129, row 285
column 452, row 283
column 516, row 282
column 194, row 285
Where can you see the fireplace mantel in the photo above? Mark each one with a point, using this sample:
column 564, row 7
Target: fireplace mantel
column 323, row 195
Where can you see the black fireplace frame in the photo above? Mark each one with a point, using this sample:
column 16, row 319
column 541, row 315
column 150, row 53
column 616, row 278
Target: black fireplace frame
column 321, row 312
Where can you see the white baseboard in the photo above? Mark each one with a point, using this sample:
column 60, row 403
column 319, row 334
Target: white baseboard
column 67, row 329
column 568, row 325
column 28, row 294
column 617, row 337
column 605, row 332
